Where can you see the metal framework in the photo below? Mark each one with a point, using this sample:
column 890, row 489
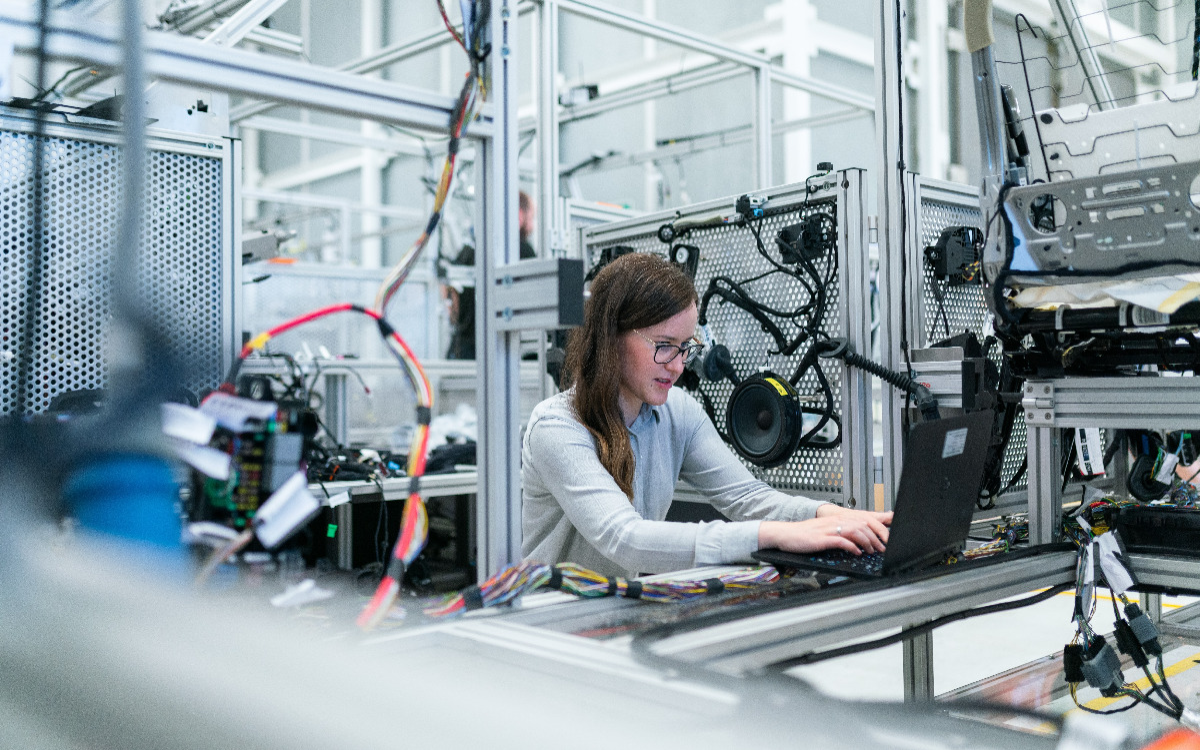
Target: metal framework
column 188, row 61
column 731, row 62
column 912, row 315
column 1150, row 402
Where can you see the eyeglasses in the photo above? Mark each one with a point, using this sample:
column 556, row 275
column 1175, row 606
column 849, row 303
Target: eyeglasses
column 665, row 353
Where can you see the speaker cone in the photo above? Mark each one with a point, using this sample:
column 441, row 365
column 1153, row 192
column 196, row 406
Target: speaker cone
column 763, row 419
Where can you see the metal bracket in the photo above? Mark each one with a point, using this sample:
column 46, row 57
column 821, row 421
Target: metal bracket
column 537, row 294
column 1039, row 404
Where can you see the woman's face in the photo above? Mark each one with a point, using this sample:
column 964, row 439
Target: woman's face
column 642, row 379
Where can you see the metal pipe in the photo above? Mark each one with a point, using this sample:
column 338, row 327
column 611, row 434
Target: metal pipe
column 659, row 87
column 762, row 127
column 1094, row 75
column 681, row 37
column 550, row 223
column 411, row 147
column 390, row 55
column 190, row 62
column 731, row 137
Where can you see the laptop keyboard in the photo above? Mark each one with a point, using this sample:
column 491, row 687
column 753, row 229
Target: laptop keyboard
column 867, row 563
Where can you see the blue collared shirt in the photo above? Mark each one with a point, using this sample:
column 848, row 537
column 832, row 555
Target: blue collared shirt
column 573, row 510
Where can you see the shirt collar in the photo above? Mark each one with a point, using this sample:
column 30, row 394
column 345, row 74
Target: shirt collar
column 646, row 418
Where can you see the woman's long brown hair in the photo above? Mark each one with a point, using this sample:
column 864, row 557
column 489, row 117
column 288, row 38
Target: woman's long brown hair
column 634, row 291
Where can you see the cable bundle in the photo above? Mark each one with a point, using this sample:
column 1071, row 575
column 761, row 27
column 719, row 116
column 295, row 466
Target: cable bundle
column 1011, row 531
column 473, row 91
column 414, row 528
column 1091, row 658
column 522, row 578
column 415, row 524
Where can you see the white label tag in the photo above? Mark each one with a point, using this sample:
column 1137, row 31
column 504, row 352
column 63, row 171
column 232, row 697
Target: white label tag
column 1166, row 472
column 1090, row 450
column 208, row 532
column 1112, row 564
column 305, row 592
column 208, row 461
column 285, row 511
column 232, row 412
column 1089, row 563
column 956, row 443
column 340, row 498
column 186, row 423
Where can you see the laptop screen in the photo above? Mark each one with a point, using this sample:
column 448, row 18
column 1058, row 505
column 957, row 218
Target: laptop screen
column 939, row 486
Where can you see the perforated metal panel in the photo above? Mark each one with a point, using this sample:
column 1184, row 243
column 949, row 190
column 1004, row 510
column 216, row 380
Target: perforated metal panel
column 731, row 251
column 961, row 308
column 185, row 266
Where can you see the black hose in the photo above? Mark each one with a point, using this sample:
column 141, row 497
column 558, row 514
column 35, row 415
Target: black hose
column 896, row 379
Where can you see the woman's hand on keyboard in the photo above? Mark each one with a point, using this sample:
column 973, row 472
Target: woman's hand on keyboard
column 854, row 531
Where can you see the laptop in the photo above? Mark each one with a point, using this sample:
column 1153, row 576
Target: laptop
column 939, row 486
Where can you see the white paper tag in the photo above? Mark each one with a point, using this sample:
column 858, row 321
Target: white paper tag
column 208, row 532
column 285, row 511
column 208, row 461
column 1166, row 472
column 1090, row 450
column 232, row 412
column 305, row 592
column 956, row 443
column 1112, row 564
column 184, row 422
column 340, row 498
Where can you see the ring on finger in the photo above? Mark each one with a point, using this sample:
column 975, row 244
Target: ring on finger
column 838, row 530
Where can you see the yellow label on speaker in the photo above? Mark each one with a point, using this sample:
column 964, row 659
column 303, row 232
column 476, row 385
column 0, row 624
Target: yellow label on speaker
column 778, row 386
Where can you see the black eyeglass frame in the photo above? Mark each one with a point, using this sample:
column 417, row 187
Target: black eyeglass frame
column 689, row 349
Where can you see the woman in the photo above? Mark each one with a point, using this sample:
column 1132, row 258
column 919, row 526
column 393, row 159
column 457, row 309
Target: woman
column 600, row 460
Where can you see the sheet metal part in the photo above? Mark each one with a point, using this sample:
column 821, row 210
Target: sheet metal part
column 1122, row 226
column 1082, row 142
column 187, row 269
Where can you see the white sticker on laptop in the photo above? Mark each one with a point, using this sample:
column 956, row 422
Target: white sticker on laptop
column 956, row 443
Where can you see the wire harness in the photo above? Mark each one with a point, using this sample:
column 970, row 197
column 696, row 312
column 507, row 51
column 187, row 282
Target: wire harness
column 524, row 577
column 1091, row 658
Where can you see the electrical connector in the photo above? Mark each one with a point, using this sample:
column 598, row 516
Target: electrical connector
column 750, row 206
column 1143, row 629
column 1102, row 667
column 1128, row 643
column 1073, row 663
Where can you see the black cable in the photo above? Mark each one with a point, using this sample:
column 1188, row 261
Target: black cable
column 939, row 294
column 1196, row 42
column 826, row 415
column 712, row 415
column 815, row 657
column 1068, row 458
column 1107, row 712
column 1016, row 477
column 1029, row 91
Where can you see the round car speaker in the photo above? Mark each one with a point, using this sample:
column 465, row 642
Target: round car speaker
column 763, row 419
